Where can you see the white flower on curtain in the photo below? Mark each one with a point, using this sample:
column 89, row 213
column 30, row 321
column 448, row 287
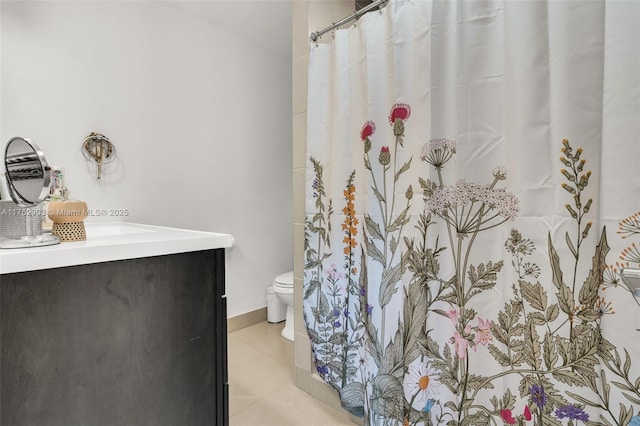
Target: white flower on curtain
column 421, row 383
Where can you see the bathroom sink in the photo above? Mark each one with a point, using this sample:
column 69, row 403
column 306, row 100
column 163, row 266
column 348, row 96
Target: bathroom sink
column 110, row 241
column 112, row 229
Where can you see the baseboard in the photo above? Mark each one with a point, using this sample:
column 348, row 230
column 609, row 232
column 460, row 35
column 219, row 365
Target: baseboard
column 246, row 320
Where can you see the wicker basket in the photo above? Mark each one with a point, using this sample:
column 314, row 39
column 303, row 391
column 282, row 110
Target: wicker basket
column 68, row 220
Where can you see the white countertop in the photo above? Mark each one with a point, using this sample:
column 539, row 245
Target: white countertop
column 108, row 241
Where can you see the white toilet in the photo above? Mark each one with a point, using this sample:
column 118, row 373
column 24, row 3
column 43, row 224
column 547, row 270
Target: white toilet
column 283, row 289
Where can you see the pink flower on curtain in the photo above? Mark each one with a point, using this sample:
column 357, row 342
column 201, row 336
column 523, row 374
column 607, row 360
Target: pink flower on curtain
column 385, row 156
column 507, row 416
column 368, row 129
column 461, row 344
column 453, row 315
column 401, row 111
column 483, row 331
column 527, row 413
column 399, row 114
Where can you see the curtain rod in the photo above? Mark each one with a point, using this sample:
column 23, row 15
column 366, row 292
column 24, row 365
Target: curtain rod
column 355, row 15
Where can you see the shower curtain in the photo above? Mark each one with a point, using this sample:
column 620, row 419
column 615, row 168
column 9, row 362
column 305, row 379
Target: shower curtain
column 472, row 195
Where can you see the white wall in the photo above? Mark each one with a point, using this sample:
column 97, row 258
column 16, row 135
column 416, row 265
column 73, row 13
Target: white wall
column 200, row 116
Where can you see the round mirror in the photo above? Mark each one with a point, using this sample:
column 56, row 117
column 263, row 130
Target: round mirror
column 27, row 175
column 27, row 172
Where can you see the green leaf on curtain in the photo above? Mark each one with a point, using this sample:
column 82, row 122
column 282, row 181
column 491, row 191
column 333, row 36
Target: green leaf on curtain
column 606, row 387
column 550, row 355
column 476, row 419
column 387, row 397
column 322, row 311
column 589, row 291
column 337, row 338
column 509, row 317
column 393, row 244
column 589, row 314
column 563, row 347
column 632, row 398
column 502, row 358
column 532, row 342
column 586, row 367
column 606, row 350
column 517, row 345
column 335, row 367
column 393, row 356
column 432, row 349
column 401, row 220
column 403, row 169
column 415, row 318
column 450, row 297
column 371, row 333
column 352, row 397
column 627, row 365
column 555, row 265
column 508, row 399
column 625, row 415
column 568, row 377
column 367, row 164
column 375, row 349
column 378, row 195
column 388, row 288
column 313, row 335
column 453, row 407
column 428, row 187
column 570, row 245
column 565, row 299
column 534, row 294
column 311, row 287
column 478, row 382
column 536, row 318
column 373, row 228
column 485, row 276
column 373, row 252
column 500, row 335
column 552, row 312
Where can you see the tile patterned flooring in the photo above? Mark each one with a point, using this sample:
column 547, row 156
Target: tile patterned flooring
column 261, row 385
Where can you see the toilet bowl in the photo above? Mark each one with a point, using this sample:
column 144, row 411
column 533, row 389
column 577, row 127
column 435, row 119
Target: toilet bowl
column 283, row 289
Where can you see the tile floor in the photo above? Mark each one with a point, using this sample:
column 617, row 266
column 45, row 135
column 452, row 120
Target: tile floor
column 261, row 387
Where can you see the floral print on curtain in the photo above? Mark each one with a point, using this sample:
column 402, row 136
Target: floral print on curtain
column 541, row 359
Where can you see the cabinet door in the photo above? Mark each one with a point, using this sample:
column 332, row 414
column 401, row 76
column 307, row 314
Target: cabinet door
column 133, row 342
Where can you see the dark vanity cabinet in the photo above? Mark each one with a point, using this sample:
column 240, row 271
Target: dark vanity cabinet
column 136, row 342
